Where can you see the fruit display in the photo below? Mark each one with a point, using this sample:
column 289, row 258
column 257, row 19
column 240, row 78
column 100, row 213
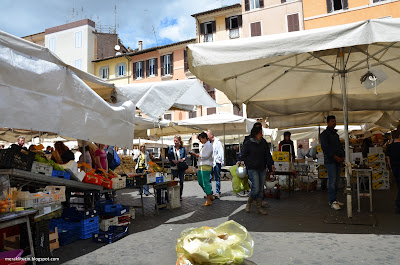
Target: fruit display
column 8, row 203
column 42, row 159
column 127, row 165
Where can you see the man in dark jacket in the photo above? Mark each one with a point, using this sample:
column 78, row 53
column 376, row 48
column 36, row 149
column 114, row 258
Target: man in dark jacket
column 333, row 159
column 286, row 145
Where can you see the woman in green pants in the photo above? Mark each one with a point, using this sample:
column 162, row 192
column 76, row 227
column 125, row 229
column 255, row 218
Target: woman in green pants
column 205, row 167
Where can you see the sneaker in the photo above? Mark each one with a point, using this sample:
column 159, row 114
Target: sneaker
column 340, row 203
column 217, row 196
column 335, row 206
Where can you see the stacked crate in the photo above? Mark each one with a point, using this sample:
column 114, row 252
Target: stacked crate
column 380, row 174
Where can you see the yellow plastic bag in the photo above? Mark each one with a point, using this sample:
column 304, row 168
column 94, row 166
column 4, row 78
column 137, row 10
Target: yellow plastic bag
column 238, row 184
column 229, row 243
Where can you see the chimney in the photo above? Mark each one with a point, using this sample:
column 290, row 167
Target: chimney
column 140, row 44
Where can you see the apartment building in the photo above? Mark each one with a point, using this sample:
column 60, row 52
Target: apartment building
column 261, row 17
column 325, row 13
column 78, row 43
column 156, row 64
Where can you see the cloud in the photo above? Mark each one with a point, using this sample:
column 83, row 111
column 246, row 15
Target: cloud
column 152, row 21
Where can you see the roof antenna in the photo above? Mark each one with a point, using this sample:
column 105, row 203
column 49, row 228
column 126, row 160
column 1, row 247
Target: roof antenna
column 155, row 36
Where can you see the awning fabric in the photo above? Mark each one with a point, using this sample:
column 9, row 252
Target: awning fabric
column 297, row 73
column 154, row 98
column 39, row 92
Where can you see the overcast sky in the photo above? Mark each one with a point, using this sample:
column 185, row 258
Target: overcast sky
column 171, row 19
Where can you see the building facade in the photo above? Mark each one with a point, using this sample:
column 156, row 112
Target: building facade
column 326, row 13
column 261, row 17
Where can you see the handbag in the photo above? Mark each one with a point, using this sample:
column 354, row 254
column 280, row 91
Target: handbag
column 182, row 166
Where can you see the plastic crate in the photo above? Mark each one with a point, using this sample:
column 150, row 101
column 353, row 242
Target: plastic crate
column 106, row 223
column 58, row 192
column 61, row 174
column 130, row 182
column 42, row 168
column 25, row 203
column 107, row 183
column 174, row 197
column 66, row 237
column 118, row 183
column 88, row 227
column 73, row 215
column 113, row 234
column 17, row 253
column 123, row 219
column 16, row 157
column 46, row 209
column 41, row 239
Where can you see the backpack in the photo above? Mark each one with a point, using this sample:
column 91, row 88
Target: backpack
column 113, row 159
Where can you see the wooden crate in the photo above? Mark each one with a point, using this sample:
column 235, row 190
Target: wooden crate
column 53, row 239
column 11, row 242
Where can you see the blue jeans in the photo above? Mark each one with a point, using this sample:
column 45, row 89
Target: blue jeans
column 396, row 174
column 257, row 178
column 216, row 171
column 181, row 175
column 333, row 177
column 145, row 187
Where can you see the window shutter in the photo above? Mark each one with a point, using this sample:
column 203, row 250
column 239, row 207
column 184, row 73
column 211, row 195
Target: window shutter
column 296, row 24
column 100, row 75
column 227, row 23
column 284, row 1
column 172, row 64
column 162, row 65
column 329, row 6
column 246, row 5
column 261, row 3
column 134, row 71
column 116, row 71
column 240, row 21
column 185, row 62
column 256, row 29
column 147, row 68
column 375, row 1
column 345, row 4
column 156, row 66
column 201, row 28
column 214, row 26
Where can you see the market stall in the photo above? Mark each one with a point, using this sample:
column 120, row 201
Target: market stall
column 303, row 76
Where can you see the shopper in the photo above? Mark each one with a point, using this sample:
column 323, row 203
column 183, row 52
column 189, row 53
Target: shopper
column 88, row 158
column 205, row 167
column 286, row 145
column 100, row 158
column 257, row 158
column 62, row 154
column 301, row 154
column 177, row 157
column 49, row 150
column 333, row 159
column 393, row 152
column 142, row 164
column 218, row 154
column 20, row 143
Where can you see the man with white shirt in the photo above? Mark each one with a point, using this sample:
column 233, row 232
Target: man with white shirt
column 218, row 150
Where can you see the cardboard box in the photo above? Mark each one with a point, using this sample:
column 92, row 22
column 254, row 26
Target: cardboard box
column 377, row 166
column 380, row 175
column 151, row 178
column 379, row 157
column 375, row 150
column 319, row 149
column 283, row 166
column 281, row 156
column 356, row 156
column 381, row 185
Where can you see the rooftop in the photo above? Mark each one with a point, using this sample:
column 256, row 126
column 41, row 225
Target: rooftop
column 146, row 50
column 217, row 10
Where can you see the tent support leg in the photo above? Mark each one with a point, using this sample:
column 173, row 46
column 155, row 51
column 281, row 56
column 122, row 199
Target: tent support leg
column 346, row 132
column 224, row 144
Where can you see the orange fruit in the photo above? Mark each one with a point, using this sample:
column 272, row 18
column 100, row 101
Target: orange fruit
column 2, row 210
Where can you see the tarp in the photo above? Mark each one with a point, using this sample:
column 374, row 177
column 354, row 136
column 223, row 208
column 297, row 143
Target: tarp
column 298, row 72
column 154, row 98
column 221, row 123
column 39, row 92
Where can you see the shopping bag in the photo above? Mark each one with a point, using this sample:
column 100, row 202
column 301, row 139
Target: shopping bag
column 238, row 184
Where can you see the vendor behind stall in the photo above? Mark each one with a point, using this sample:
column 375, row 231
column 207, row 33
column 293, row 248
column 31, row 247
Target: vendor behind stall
column 62, row 154
column 20, row 143
column 287, row 145
column 100, row 158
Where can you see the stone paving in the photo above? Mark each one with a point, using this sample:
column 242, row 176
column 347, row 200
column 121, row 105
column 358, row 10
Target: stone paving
column 294, row 231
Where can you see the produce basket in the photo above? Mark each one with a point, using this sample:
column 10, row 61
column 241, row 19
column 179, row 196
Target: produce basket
column 16, row 157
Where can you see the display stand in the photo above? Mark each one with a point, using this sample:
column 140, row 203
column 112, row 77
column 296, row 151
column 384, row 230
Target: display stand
column 361, row 174
column 291, row 176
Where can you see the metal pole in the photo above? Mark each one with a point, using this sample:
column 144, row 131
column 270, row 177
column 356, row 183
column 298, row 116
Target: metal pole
column 346, row 132
column 162, row 149
column 224, row 143
column 84, row 150
column 239, row 143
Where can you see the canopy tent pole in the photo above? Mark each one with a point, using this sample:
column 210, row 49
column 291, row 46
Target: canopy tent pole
column 346, row 132
column 239, row 143
column 224, row 145
column 162, row 149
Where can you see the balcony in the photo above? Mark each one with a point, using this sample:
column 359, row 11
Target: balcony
column 234, row 33
column 208, row 37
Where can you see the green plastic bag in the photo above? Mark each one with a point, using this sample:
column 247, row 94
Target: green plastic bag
column 238, row 184
column 228, row 243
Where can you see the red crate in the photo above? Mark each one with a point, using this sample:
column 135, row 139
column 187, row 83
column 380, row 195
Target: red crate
column 93, row 179
column 107, row 184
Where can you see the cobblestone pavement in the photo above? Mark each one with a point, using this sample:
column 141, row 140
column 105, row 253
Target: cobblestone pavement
column 299, row 229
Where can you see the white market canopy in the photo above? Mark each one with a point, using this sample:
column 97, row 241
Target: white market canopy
column 221, row 124
column 154, row 98
column 294, row 79
column 40, row 92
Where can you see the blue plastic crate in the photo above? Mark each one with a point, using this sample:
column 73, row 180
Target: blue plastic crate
column 61, row 224
column 61, row 174
column 113, row 234
column 73, row 215
column 107, row 208
column 88, row 227
column 68, row 236
column 88, row 234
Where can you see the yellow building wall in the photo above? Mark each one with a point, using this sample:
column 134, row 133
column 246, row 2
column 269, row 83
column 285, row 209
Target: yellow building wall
column 371, row 11
column 111, row 63
column 221, row 33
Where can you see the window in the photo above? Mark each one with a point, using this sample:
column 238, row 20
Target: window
column 207, row 29
column 293, row 22
column 52, row 44
column 138, row 68
column 237, row 111
column 211, row 111
column 78, row 64
column 255, row 29
column 185, row 62
column 78, row 39
column 168, row 117
column 334, row 5
column 120, row 69
column 167, row 64
column 103, row 72
column 376, row 1
column 253, row 4
column 210, row 90
column 152, row 67
column 192, row 114
column 233, row 24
